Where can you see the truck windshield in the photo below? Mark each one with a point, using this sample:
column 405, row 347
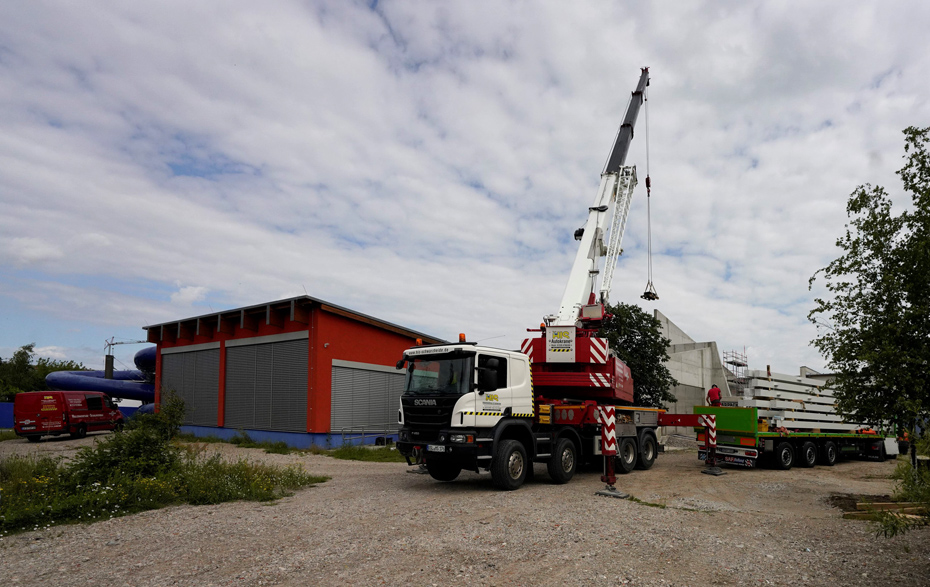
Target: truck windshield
column 439, row 376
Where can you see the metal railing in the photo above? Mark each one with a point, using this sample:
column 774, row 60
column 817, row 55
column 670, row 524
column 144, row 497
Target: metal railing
column 384, row 431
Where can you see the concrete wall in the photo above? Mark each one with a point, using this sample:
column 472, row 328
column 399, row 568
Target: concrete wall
column 696, row 366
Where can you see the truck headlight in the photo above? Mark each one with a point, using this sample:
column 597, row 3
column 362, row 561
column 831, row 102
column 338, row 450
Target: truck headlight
column 462, row 438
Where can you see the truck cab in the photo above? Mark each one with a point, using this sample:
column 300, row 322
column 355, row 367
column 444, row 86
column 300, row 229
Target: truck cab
column 459, row 401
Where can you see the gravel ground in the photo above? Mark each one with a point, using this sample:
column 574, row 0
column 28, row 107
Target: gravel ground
column 375, row 524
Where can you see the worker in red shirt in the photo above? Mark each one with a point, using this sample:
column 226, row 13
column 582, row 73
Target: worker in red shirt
column 713, row 396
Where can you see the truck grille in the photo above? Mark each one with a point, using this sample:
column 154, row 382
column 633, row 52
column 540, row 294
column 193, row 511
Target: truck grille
column 426, row 417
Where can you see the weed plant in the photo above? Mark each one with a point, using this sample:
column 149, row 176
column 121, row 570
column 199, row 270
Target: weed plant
column 7, row 434
column 138, row 469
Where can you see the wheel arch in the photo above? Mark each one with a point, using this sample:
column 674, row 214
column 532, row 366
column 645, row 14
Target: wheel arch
column 516, row 430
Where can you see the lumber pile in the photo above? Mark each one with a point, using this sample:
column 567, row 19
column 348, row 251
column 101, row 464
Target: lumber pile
column 792, row 402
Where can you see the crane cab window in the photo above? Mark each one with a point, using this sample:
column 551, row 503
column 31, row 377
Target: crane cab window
column 492, row 372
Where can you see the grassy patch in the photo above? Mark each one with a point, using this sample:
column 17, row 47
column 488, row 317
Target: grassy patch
column 127, row 472
column 382, row 454
column 243, row 440
column 7, row 434
column 661, row 506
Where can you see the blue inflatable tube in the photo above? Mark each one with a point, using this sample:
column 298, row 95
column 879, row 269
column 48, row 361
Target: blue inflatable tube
column 136, row 384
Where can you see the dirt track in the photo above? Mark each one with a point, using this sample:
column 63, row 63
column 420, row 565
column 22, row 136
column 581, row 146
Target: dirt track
column 375, row 524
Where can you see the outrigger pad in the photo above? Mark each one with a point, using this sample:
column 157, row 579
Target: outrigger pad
column 715, row 471
column 610, row 491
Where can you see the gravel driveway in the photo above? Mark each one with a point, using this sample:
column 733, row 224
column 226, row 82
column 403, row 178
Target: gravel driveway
column 375, row 524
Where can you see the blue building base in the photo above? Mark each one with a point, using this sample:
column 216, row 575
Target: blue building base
column 6, row 414
column 295, row 439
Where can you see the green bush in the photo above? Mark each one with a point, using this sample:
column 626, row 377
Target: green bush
column 138, row 469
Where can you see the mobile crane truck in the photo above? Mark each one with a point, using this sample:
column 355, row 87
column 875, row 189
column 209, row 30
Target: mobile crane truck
column 564, row 397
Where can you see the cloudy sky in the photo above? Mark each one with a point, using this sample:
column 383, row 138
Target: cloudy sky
column 427, row 163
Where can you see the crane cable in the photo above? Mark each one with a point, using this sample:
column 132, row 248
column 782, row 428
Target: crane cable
column 650, row 293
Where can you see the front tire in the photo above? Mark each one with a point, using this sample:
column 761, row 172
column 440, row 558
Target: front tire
column 442, row 471
column 33, row 438
column 508, row 467
column 563, row 461
column 808, row 455
column 626, row 455
column 784, row 456
column 80, row 431
column 648, row 450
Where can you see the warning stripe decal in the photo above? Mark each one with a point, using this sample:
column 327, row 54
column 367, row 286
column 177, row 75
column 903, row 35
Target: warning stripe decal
column 599, row 380
column 598, row 350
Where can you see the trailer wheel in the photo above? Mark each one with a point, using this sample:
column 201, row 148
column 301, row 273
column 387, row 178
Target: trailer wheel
column 648, row 449
column 442, row 470
column 784, row 456
column 563, row 461
column 33, row 438
column 508, row 467
column 828, row 454
column 808, row 454
column 626, row 455
column 80, row 431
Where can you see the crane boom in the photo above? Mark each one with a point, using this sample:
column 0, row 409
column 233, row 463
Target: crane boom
column 610, row 209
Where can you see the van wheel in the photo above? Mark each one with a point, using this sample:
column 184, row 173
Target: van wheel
column 33, row 438
column 508, row 467
column 563, row 461
column 808, row 454
column 626, row 455
column 80, row 431
column 119, row 426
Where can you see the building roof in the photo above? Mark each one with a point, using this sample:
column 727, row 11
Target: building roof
column 296, row 309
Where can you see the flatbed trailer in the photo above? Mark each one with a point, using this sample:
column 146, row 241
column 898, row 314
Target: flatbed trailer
column 744, row 439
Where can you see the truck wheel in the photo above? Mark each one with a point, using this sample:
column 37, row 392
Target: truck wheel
column 442, row 470
column 648, row 448
column 80, row 431
column 828, row 454
column 626, row 455
column 784, row 456
column 808, row 454
column 882, row 456
column 33, row 438
column 508, row 467
column 119, row 426
column 563, row 461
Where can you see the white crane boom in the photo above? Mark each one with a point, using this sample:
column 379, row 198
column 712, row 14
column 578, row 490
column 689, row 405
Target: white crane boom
column 611, row 207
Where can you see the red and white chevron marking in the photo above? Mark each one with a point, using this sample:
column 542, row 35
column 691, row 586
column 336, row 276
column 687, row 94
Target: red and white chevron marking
column 598, row 350
column 599, row 380
column 527, row 348
column 709, row 421
column 608, row 419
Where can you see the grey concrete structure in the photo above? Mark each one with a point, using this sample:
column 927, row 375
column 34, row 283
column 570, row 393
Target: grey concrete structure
column 696, row 366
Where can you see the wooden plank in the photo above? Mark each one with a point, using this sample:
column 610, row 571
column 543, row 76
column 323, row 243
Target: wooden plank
column 891, row 505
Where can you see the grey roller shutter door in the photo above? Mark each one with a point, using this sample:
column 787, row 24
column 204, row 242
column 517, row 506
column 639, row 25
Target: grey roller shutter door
column 364, row 399
column 266, row 386
column 194, row 377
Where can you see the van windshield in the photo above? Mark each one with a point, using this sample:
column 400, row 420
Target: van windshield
column 439, row 375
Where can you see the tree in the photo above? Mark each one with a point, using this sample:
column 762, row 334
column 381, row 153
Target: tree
column 637, row 339
column 20, row 374
column 874, row 329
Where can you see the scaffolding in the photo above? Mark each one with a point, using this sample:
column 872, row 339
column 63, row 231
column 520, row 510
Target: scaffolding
column 737, row 365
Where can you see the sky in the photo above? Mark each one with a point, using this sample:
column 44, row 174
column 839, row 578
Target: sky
column 427, row 163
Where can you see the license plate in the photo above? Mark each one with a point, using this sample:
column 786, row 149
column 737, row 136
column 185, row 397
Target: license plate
column 28, row 428
column 435, row 448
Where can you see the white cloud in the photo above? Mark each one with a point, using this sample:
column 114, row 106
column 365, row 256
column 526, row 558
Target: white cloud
column 427, row 163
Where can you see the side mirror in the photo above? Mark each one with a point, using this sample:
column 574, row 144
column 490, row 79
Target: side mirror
column 400, row 363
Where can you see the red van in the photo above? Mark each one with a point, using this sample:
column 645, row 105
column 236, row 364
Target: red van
column 42, row 413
